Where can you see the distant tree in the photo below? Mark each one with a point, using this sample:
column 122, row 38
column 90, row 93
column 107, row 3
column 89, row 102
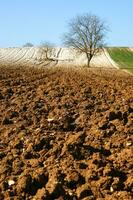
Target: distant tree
column 28, row 44
column 49, row 52
column 46, row 48
column 86, row 35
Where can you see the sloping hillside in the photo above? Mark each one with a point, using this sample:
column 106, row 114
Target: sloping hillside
column 34, row 57
column 123, row 57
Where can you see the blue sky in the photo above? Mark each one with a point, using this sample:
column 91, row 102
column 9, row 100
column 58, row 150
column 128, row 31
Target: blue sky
column 34, row 21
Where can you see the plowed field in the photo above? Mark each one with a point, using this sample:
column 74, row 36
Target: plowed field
column 65, row 134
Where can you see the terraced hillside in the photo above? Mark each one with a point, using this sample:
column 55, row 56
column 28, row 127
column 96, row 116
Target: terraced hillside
column 65, row 134
column 123, row 57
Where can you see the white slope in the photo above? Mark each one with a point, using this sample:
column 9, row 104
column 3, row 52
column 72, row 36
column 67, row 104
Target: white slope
column 34, row 57
column 131, row 48
column 103, row 59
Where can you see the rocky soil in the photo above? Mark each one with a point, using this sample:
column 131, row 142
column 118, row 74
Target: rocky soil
column 65, row 135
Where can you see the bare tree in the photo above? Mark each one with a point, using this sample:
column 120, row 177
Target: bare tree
column 28, row 44
column 86, row 35
column 49, row 53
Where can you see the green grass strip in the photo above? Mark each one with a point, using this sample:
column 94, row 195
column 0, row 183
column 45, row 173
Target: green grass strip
column 123, row 57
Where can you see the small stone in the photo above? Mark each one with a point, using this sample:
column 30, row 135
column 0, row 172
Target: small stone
column 11, row 182
column 128, row 144
column 111, row 189
column 50, row 119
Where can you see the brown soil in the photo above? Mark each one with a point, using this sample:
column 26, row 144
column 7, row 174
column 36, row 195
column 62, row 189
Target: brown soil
column 65, row 134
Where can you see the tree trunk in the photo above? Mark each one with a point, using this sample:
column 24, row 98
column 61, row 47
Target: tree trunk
column 89, row 57
column 88, row 60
